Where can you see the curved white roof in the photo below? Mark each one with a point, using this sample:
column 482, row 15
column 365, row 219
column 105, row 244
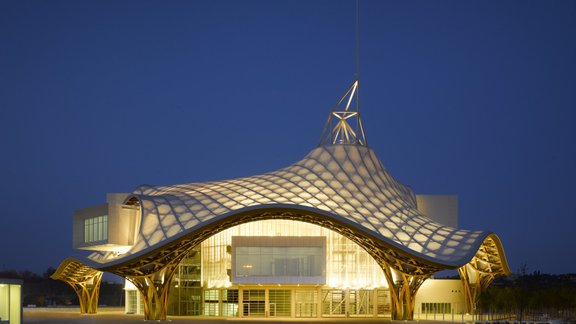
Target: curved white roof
column 345, row 182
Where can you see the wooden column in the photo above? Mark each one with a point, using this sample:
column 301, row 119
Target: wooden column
column 87, row 292
column 403, row 288
column 154, row 289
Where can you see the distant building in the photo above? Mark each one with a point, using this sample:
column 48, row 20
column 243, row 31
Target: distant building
column 333, row 234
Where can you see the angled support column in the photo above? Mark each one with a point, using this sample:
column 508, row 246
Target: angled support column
column 84, row 280
column 88, row 292
column 488, row 263
column 154, row 289
column 403, row 289
column 474, row 283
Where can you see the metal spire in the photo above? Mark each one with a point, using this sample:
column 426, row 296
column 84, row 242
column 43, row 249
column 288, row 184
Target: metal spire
column 344, row 126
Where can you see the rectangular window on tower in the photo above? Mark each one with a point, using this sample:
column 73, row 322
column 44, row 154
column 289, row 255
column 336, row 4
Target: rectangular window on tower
column 96, row 229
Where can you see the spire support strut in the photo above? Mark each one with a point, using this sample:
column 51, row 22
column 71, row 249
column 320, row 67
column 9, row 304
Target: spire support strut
column 344, row 125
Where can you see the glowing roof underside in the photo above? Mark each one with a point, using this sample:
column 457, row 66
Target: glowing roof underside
column 345, row 182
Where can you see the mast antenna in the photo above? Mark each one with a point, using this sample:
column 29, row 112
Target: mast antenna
column 344, row 125
column 357, row 40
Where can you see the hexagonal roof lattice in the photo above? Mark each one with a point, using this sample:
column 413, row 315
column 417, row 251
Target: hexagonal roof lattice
column 342, row 181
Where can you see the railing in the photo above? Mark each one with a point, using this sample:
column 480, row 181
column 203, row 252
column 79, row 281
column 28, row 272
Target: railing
column 463, row 318
column 529, row 316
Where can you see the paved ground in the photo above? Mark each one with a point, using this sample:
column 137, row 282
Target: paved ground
column 63, row 316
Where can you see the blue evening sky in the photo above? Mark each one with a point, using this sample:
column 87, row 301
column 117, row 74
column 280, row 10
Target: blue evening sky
column 475, row 98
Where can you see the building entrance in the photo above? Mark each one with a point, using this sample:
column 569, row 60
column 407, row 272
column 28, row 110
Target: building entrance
column 254, row 303
column 355, row 302
column 287, row 301
column 306, row 301
column 361, row 303
column 280, row 302
column 333, row 302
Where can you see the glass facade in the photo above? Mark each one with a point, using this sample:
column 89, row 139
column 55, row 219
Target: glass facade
column 267, row 261
column 280, row 302
column 264, row 269
column 253, row 302
column 347, row 265
column 274, row 260
column 333, row 302
column 230, row 302
column 131, row 301
column 211, row 301
column 186, row 295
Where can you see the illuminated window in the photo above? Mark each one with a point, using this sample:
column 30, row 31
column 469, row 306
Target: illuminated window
column 333, row 302
column 211, row 298
column 306, row 303
column 131, row 301
column 10, row 301
column 279, row 259
column 280, row 302
column 96, row 229
column 230, row 302
column 254, row 302
column 436, row 308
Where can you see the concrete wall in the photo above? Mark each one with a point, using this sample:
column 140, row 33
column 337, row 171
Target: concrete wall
column 122, row 221
column 441, row 208
column 441, row 291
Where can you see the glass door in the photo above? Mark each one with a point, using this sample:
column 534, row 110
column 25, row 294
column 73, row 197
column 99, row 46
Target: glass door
column 333, row 302
column 254, row 303
column 306, row 303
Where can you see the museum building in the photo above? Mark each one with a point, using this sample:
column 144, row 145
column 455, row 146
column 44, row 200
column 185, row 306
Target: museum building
column 333, row 234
